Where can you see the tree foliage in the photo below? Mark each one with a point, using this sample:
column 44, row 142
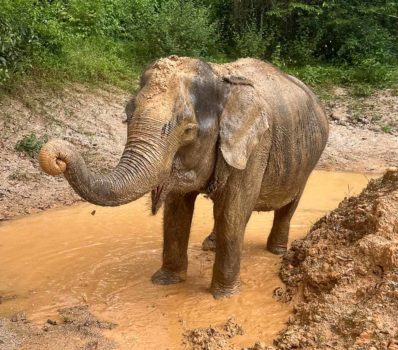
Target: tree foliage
column 101, row 39
column 304, row 31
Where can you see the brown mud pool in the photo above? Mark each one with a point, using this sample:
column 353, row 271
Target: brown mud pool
column 104, row 258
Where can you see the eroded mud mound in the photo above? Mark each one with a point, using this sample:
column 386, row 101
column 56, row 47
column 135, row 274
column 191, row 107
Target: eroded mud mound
column 78, row 329
column 345, row 274
column 212, row 338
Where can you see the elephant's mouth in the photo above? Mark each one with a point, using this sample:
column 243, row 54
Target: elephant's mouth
column 158, row 195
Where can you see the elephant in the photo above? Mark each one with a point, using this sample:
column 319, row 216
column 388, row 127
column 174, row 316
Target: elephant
column 244, row 133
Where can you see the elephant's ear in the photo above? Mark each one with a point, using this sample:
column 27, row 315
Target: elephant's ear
column 242, row 122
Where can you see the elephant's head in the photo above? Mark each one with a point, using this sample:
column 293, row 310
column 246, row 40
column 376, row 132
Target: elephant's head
column 182, row 111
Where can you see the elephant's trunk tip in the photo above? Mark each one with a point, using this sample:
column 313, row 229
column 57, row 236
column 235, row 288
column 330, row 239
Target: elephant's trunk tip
column 53, row 157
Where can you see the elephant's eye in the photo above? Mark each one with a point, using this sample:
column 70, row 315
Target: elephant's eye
column 190, row 129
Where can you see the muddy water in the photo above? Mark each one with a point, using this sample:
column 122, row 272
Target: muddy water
column 70, row 256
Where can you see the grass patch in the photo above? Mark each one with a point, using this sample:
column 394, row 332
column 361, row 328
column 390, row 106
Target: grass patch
column 93, row 62
column 372, row 76
column 361, row 81
column 31, row 144
column 362, row 90
column 387, row 128
column 96, row 61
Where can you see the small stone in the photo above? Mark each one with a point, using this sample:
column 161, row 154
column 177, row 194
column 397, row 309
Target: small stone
column 393, row 346
column 20, row 316
column 340, row 115
column 317, row 318
column 259, row 346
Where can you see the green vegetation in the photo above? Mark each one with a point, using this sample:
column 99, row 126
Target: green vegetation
column 387, row 128
column 31, row 144
column 325, row 42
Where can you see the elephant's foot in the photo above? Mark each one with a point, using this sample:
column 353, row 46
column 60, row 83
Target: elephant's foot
column 276, row 249
column 220, row 291
column 210, row 242
column 165, row 277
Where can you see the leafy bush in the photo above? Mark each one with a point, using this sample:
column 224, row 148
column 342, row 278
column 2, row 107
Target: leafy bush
column 250, row 43
column 371, row 72
column 98, row 39
column 16, row 38
column 362, row 90
column 328, row 31
column 95, row 17
column 170, row 27
column 31, row 144
column 107, row 40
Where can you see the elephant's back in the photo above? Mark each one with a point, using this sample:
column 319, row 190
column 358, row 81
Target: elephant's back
column 298, row 130
column 253, row 70
column 292, row 105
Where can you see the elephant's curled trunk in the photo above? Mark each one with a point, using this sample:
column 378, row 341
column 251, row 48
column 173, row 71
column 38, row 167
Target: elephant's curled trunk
column 134, row 176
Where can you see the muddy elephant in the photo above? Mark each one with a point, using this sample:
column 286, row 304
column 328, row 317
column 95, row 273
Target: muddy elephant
column 244, row 133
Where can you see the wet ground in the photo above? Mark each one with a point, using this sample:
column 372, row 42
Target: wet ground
column 104, row 257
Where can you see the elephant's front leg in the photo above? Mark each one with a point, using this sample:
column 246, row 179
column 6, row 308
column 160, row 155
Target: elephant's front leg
column 225, row 281
column 231, row 214
column 177, row 221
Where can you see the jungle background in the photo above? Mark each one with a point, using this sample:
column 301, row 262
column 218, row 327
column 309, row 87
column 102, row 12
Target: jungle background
column 67, row 69
column 352, row 43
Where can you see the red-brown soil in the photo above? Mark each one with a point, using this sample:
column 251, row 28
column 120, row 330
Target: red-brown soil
column 344, row 275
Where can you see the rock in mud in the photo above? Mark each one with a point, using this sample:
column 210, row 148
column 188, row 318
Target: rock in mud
column 4, row 298
column 213, row 338
column 18, row 317
column 80, row 316
column 344, row 275
column 80, row 330
column 260, row 346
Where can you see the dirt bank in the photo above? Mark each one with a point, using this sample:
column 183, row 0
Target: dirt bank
column 93, row 121
column 76, row 329
column 344, row 275
column 378, row 112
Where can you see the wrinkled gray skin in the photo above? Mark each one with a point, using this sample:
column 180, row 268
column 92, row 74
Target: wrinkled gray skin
column 244, row 133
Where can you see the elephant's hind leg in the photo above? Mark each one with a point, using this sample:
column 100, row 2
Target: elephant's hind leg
column 209, row 242
column 177, row 221
column 279, row 236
